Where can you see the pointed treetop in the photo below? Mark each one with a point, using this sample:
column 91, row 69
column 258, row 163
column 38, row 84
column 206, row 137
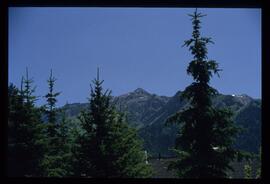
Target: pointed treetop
column 26, row 73
column 22, row 83
column 98, row 73
column 196, row 15
column 51, row 79
column 51, row 73
column 26, row 79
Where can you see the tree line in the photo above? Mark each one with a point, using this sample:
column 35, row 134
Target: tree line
column 39, row 144
column 42, row 146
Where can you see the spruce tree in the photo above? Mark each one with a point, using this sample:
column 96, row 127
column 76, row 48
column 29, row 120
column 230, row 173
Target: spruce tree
column 50, row 107
column 14, row 119
column 108, row 147
column 55, row 162
column 206, row 136
column 26, row 132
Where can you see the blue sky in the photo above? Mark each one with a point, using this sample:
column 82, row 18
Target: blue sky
column 134, row 47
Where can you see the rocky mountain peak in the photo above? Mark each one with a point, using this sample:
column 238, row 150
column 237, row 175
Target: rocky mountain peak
column 141, row 91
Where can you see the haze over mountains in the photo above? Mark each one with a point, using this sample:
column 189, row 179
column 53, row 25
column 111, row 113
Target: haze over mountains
column 148, row 112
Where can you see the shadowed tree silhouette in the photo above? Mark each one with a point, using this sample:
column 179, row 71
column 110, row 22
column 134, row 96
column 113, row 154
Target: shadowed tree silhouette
column 206, row 136
column 108, row 147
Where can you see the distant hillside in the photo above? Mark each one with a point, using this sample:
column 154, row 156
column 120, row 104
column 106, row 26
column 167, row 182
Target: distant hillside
column 148, row 112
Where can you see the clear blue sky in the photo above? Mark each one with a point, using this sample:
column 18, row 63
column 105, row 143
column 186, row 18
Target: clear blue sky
column 134, row 47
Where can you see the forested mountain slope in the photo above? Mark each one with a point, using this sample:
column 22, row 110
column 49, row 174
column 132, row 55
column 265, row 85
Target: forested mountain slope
column 148, row 112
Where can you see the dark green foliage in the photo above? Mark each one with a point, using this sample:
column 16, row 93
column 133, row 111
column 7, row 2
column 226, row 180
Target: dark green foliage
column 56, row 161
column 15, row 116
column 50, row 108
column 25, row 131
column 108, row 147
column 205, row 141
column 57, row 157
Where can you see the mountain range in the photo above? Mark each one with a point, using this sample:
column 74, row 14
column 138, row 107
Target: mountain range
column 148, row 113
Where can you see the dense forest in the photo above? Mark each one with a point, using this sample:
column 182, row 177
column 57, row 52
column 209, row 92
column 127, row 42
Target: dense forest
column 202, row 132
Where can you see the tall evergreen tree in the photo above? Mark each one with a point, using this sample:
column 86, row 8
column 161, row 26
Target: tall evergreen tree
column 26, row 132
column 50, row 107
column 14, row 119
column 55, row 162
column 108, row 146
column 205, row 140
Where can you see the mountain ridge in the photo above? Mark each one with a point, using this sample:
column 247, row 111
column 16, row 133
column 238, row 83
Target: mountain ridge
column 148, row 113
